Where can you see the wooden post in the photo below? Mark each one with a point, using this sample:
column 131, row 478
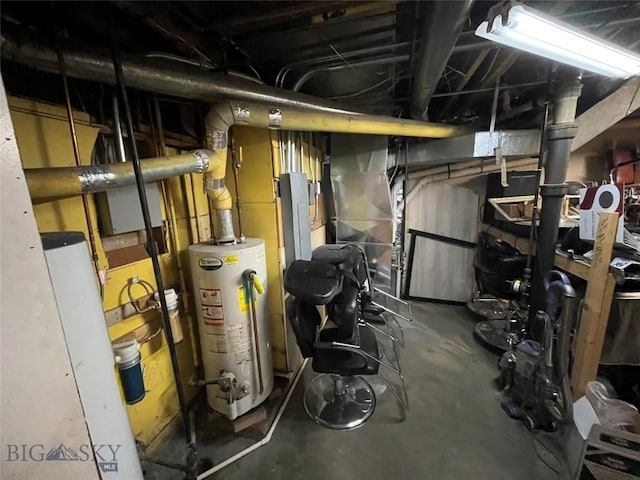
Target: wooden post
column 597, row 305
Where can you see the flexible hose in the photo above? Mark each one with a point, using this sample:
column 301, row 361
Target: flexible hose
column 561, row 361
column 558, row 398
column 558, row 289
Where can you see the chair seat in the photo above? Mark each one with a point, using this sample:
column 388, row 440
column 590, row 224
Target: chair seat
column 312, row 282
column 343, row 362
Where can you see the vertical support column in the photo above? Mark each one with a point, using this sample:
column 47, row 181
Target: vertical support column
column 559, row 138
column 597, row 305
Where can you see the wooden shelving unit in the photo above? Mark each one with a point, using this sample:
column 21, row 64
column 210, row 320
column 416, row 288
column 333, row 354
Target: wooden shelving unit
column 594, row 316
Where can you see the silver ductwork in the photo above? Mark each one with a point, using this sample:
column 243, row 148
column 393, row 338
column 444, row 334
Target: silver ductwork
column 46, row 184
column 167, row 78
column 514, row 143
column 442, row 26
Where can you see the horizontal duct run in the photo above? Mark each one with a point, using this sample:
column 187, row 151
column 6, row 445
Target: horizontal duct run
column 46, row 184
column 514, row 143
column 222, row 116
column 163, row 77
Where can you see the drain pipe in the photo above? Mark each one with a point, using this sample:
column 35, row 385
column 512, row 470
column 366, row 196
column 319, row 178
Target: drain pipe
column 559, row 137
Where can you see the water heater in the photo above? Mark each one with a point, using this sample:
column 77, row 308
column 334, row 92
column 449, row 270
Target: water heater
column 234, row 334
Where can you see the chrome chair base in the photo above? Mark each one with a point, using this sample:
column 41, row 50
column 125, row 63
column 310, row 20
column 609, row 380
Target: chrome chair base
column 339, row 403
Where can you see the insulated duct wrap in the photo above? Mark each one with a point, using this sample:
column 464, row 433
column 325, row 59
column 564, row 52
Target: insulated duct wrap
column 217, row 123
column 223, row 115
column 46, row 184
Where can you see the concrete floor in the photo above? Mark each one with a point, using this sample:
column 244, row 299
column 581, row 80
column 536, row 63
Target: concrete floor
column 455, row 429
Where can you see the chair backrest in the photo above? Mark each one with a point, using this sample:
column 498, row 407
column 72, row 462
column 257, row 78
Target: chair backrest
column 497, row 264
column 304, row 319
column 344, row 309
column 313, row 282
column 349, row 259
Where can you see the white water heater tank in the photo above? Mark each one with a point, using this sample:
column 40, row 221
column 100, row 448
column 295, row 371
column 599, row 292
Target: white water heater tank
column 230, row 347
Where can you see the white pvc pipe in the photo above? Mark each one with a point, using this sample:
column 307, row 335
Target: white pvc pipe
column 267, row 437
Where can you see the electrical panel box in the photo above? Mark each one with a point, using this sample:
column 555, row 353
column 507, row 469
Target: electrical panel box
column 294, row 192
column 119, row 209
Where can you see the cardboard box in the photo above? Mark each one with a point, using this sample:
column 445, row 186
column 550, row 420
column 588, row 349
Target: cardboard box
column 610, row 455
column 576, row 434
column 593, row 201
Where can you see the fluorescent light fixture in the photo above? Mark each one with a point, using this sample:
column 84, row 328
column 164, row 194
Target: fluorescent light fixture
column 534, row 32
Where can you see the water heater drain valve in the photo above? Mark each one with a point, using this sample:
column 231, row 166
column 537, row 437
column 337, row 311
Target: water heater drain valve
column 228, row 384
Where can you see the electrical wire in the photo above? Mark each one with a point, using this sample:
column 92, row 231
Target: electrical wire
column 560, row 470
column 205, row 65
column 365, row 90
column 346, row 62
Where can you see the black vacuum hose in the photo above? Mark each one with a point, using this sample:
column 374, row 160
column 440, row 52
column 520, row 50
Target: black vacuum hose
column 561, row 363
column 560, row 292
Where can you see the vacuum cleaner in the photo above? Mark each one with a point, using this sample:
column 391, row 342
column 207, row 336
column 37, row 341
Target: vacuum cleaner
column 536, row 375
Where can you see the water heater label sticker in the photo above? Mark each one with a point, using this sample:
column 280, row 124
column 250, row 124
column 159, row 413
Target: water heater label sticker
column 215, row 327
column 210, row 312
column 231, row 259
column 210, row 263
column 239, row 337
column 242, row 358
column 242, row 301
column 216, row 343
column 211, row 296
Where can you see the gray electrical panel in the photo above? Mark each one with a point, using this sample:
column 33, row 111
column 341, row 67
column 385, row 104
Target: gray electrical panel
column 119, row 209
column 294, row 192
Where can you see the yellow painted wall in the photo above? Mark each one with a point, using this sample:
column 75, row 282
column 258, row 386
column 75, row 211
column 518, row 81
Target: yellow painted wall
column 257, row 151
column 42, row 133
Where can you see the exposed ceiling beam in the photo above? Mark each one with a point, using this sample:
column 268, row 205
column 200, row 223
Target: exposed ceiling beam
column 161, row 21
column 273, row 17
column 607, row 112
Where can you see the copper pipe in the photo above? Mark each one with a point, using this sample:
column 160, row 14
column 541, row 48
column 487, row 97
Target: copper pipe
column 254, row 320
column 76, row 155
column 236, row 171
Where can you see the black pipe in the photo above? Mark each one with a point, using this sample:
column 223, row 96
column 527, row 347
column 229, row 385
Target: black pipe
column 443, row 23
column 559, row 138
column 534, row 216
column 151, row 245
column 552, row 192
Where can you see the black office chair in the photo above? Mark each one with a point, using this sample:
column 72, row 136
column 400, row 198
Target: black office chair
column 497, row 265
column 340, row 398
column 379, row 310
column 351, row 261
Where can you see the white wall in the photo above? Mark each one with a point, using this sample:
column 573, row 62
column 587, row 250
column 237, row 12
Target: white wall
column 38, row 397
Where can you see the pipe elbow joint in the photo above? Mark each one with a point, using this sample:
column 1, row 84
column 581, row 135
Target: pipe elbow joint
column 202, row 157
column 217, row 192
